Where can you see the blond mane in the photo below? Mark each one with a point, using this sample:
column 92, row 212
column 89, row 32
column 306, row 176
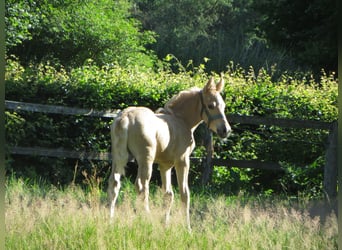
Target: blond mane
column 175, row 100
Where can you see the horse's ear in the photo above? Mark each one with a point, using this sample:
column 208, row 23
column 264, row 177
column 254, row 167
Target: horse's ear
column 220, row 84
column 210, row 86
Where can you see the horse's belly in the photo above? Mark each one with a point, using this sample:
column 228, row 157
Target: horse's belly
column 164, row 152
column 172, row 146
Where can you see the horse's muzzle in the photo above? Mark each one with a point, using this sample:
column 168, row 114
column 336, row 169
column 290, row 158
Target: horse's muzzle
column 223, row 131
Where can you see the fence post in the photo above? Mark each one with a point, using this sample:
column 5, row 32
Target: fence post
column 207, row 162
column 330, row 168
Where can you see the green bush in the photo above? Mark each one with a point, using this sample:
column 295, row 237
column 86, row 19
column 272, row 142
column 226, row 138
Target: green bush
column 250, row 93
column 70, row 32
column 300, row 151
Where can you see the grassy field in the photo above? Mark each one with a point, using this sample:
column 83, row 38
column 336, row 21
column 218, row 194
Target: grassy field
column 44, row 217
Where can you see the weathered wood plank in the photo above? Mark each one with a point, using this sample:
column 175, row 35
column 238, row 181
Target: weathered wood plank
column 53, row 109
column 233, row 118
column 106, row 156
column 280, row 122
column 207, row 162
column 247, row 164
column 60, row 153
column 330, row 168
column 329, row 180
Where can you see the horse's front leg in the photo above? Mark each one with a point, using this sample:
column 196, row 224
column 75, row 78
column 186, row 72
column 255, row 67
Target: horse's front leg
column 165, row 173
column 182, row 170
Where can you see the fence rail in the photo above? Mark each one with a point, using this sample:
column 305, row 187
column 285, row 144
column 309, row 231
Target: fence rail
column 233, row 118
column 279, row 122
column 106, row 156
column 53, row 109
column 330, row 170
column 60, row 153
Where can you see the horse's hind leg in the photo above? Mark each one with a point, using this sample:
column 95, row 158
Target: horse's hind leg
column 165, row 174
column 113, row 191
column 142, row 181
column 118, row 132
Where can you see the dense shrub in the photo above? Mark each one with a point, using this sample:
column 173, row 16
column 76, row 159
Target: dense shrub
column 300, row 151
column 70, row 32
column 293, row 34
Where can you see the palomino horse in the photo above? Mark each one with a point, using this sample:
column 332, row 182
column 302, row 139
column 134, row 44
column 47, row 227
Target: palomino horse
column 166, row 138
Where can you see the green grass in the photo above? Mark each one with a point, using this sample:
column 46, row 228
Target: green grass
column 39, row 216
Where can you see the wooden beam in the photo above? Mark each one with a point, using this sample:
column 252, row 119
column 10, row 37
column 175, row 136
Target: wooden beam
column 60, row 153
column 280, row 122
column 106, row 156
column 247, row 164
column 53, row 109
column 233, row 118
column 330, row 168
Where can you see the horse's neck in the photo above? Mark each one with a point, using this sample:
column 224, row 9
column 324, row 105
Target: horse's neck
column 189, row 110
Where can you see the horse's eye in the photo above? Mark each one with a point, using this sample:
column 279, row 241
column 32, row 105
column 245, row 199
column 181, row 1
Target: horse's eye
column 211, row 106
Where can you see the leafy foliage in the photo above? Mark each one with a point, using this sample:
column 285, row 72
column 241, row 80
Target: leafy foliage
column 20, row 18
column 294, row 35
column 300, row 151
column 307, row 28
column 96, row 54
column 254, row 94
column 70, row 32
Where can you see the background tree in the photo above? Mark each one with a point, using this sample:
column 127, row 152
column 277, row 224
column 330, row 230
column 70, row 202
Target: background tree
column 220, row 30
column 96, row 54
column 20, row 19
column 308, row 29
column 295, row 35
column 70, row 32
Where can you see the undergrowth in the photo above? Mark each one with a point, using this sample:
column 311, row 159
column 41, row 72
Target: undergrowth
column 41, row 216
column 257, row 93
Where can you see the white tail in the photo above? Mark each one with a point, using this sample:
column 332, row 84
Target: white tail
column 119, row 137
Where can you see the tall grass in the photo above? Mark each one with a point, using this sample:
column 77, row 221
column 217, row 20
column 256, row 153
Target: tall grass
column 39, row 216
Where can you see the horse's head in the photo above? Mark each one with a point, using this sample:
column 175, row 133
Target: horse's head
column 213, row 106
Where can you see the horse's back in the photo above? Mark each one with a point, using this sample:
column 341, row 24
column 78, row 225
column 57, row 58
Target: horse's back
column 142, row 130
column 162, row 137
column 141, row 120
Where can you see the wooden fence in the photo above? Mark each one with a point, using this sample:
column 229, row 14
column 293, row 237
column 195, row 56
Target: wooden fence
column 330, row 170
